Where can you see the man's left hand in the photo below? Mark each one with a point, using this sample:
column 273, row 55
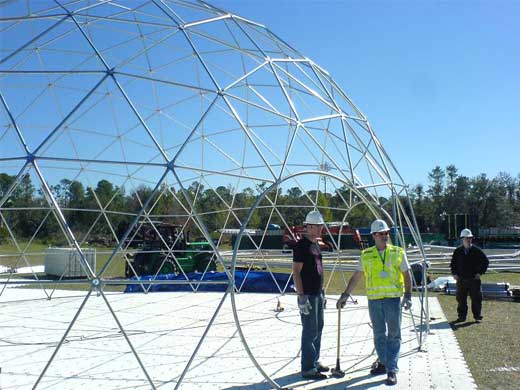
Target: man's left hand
column 340, row 304
column 304, row 305
column 477, row 276
column 406, row 303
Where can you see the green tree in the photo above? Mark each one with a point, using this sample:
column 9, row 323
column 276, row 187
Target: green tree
column 436, row 192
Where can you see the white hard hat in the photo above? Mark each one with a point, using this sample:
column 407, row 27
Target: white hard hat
column 314, row 218
column 466, row 233
column 379, row 226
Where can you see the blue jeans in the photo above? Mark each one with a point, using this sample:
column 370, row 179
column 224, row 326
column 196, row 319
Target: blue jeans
column 385, row 315
column 312, row 325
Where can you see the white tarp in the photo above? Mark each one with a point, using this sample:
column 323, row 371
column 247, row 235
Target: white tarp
column 440, row 283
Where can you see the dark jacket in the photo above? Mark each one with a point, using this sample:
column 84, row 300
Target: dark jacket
column 465, row 266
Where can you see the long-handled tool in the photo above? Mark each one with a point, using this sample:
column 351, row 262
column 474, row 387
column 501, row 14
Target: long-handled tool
column 337, row 372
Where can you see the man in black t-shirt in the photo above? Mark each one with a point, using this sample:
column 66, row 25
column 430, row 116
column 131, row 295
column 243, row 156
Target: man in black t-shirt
column 308, row 280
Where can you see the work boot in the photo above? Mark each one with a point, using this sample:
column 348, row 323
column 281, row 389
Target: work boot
column 391, row 379
column 378, row 368
column 322, row 368
column 478, row 318
column 313, row 373
column 460, row 319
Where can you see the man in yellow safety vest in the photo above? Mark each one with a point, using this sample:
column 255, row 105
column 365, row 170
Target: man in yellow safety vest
column 387, row 276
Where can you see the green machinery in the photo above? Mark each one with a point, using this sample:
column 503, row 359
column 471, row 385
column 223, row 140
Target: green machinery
column 164, row 249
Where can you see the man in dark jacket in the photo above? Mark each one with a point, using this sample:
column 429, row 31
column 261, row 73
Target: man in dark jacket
column 467, row 264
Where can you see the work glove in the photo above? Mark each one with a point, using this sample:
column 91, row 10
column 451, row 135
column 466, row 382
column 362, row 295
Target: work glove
column 304, row 305
column 342, row 300
column 477, row 276
column 406, row 303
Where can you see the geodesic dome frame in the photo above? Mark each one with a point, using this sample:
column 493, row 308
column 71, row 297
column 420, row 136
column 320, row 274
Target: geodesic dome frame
column 172, row 101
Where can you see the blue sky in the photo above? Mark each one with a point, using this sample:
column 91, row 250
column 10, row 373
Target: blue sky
column 438, row 81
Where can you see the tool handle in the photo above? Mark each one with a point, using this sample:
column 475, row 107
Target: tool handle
column 339, row 331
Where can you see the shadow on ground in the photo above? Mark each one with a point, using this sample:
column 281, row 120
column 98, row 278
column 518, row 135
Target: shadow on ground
column 294, row 381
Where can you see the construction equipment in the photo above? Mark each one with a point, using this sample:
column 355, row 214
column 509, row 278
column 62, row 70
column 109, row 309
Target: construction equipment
column 337, row 372
column 163, row 249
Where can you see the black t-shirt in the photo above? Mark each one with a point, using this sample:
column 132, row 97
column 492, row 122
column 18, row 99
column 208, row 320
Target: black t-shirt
column 309, row 253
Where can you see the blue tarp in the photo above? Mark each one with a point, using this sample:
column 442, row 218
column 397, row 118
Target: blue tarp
column 256, row 281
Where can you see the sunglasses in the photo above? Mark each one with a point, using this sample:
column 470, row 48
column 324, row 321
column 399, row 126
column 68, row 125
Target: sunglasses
column 383, row 233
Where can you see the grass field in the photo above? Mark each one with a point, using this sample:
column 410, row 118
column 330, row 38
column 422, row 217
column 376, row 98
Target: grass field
column 491, row 348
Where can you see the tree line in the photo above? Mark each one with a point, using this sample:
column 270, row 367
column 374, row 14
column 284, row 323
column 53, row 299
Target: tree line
column 107, row 209
column 488, row 202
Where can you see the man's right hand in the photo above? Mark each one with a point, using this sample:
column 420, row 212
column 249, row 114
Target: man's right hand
column 342, row 300
column 456, row 278
column 304, row 305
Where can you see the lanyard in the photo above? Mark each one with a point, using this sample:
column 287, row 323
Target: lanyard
column 383, row 258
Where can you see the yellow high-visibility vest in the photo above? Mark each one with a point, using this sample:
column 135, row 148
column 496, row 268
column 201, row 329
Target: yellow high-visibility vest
column 390, row 284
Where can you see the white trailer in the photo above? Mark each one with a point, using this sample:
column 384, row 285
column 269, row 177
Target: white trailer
column 66, row 262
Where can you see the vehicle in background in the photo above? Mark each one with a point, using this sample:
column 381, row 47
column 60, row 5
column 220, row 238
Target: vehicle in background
column 164, row 249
